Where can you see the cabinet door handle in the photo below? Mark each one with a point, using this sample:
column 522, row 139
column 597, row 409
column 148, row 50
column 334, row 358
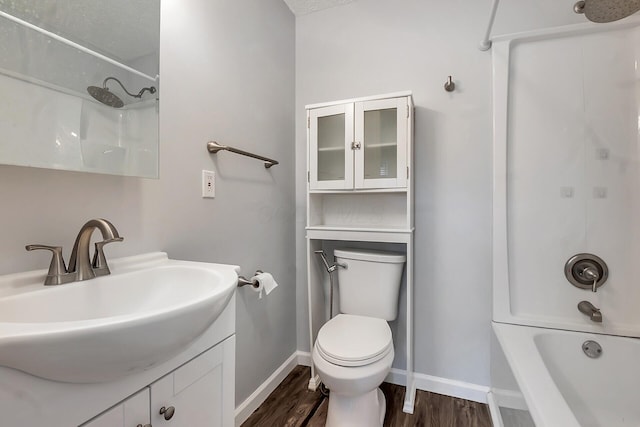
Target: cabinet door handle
column 355, row 145
column 167, row 412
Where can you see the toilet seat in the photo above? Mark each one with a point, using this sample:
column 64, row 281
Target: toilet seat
column 351, row 340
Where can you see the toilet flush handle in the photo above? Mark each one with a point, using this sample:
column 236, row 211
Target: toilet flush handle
column 329, row 268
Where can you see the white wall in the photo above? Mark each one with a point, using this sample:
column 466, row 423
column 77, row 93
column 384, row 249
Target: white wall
column 227, row 72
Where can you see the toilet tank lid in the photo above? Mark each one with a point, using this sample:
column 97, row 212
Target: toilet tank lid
column 370, row 255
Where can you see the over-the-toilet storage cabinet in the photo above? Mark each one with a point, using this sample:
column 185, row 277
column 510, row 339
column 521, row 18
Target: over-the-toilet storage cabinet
column 360, row 189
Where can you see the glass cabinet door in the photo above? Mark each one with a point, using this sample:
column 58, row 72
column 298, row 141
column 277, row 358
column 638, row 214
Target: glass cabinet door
column 381, row 143
column 330, row 154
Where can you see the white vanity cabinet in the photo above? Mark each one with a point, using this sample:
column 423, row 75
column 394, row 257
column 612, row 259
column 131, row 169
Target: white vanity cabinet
column 132, row 412
column 196, row 391
column 359, row 145
column 195, row 394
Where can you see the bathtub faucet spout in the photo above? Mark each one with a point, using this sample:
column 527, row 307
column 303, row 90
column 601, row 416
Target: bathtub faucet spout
column 590, row 310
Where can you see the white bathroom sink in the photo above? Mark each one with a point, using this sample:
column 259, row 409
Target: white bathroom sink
column 148, row 310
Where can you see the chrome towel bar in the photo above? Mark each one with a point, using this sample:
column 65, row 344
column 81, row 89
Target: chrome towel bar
column 214, row 147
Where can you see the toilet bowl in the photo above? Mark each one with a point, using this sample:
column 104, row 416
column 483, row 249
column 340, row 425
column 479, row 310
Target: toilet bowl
column 353, row 351
column 353, row 355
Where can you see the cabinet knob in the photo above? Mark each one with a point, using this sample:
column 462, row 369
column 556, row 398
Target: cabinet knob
column 356, row 145
column 146, row 425
column 167, row 412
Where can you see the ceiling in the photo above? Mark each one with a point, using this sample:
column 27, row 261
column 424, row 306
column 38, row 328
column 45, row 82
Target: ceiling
column 303, row 7
column 122, row 29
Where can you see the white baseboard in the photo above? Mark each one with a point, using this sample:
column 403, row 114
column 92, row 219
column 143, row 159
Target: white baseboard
column 304, row 358
column 509, row 399
column 454, row 388
column 251, row 403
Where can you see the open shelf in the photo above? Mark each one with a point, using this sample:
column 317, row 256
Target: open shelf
column 360, row 234
column 359, row 210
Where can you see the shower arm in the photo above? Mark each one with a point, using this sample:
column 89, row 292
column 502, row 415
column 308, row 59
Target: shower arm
column 151, row 89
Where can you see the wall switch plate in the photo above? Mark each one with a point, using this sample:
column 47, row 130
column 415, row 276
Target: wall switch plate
column 208, row 185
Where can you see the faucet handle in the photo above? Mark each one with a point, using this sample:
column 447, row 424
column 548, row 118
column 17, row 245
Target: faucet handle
column 57, row 273
column 99, row 262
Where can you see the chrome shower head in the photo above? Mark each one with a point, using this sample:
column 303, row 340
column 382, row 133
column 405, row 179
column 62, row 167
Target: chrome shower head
column 602, row 11
column 105, row 96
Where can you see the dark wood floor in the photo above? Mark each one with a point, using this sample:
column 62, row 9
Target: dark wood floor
column 292, row 405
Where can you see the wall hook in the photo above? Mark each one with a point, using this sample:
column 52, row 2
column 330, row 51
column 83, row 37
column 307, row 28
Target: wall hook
column 449, row 85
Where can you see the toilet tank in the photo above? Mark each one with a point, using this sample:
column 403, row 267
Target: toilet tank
column 370, row 284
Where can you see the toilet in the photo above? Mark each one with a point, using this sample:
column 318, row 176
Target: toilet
column 353, row 352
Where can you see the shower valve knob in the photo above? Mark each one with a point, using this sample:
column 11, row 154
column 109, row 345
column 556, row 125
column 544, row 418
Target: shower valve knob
column 586, row 271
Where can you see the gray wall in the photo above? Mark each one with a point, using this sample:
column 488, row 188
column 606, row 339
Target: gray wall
column 376, row 46
column 370, row 47
column 227, row 71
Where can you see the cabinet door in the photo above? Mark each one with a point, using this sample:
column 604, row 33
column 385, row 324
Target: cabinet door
column 381, row 134
column 130, row 413
column 330, row 153
column 195, row 391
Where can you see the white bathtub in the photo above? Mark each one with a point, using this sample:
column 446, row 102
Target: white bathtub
column 565, row 388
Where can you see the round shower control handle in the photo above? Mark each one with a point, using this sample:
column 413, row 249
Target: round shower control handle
column 167, row 412
column 586, row 271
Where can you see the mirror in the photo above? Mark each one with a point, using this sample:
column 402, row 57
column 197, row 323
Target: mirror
column 51, row 52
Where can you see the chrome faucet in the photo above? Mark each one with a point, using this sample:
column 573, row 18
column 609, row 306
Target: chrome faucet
column 79, row 262
column 590, row 310
column 80, row 267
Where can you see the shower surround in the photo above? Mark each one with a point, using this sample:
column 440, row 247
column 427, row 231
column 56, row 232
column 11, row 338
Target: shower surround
column 566, row 181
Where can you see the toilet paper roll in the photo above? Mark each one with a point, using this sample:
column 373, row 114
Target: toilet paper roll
column 266, row 283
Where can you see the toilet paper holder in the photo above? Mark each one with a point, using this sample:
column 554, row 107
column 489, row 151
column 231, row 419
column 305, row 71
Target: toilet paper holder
column 243, row 281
